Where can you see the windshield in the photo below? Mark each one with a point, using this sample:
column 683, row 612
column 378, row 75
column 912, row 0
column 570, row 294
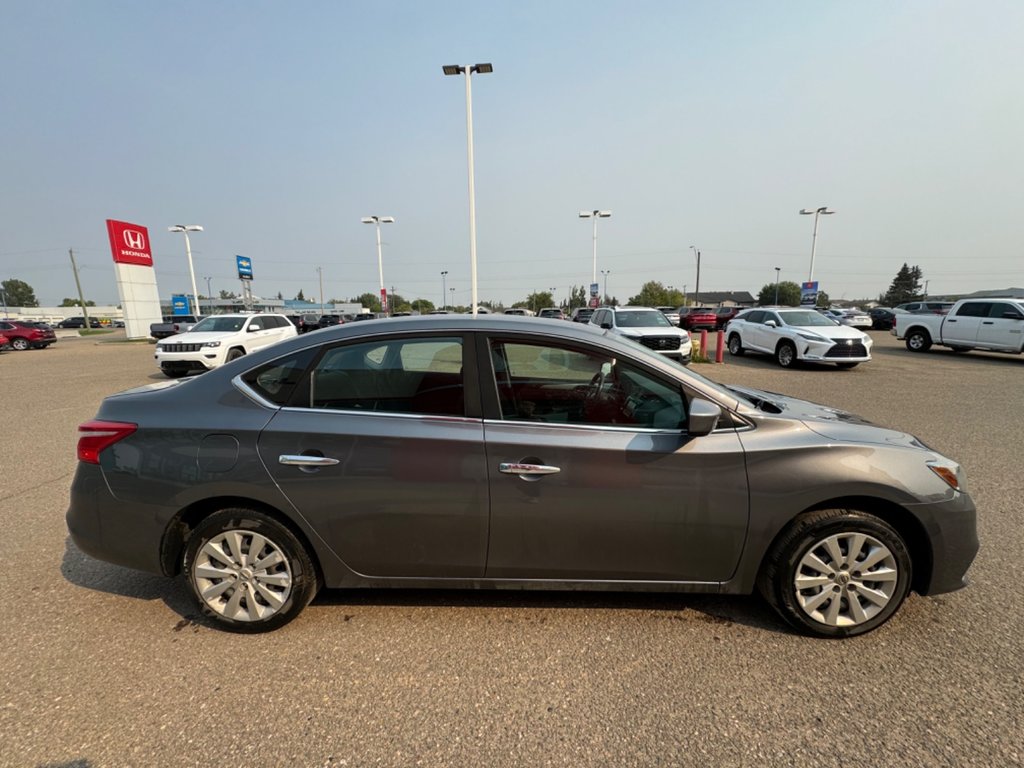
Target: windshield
column 641, row 319
column 219, row 325
column 805, row 318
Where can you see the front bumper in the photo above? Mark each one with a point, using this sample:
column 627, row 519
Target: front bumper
column 204, row 359
column 952, row 530
column 811, row 351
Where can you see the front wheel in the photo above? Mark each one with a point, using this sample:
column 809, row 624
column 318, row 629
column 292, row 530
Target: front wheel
column 736, row 345
column 918, row 341
column 837, row 573
column 785, row 354
column 248, row 572
column 234, row 354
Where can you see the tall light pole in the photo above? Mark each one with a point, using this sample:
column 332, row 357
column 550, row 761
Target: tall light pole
column 469, row 71
column 605, row 272
column 452, row 294
column 185, row 229
column 822, row 211
column 696, row 291
column 778, row 270
column 378, row 220
column 320, row 274
column 595, row 215
column 444, row 289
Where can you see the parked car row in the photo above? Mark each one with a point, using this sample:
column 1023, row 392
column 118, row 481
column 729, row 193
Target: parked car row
column 25, row 334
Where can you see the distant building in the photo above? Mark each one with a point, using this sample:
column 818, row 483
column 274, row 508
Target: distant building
column 722, row 299
column 1005, row 293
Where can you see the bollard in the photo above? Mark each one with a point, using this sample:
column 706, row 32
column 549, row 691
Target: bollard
column 720, row 348
column 704, row 343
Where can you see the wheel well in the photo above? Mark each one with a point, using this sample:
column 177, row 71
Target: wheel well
column 187, row 519
column 785, row 341
column 920, row 328
column 906, row 525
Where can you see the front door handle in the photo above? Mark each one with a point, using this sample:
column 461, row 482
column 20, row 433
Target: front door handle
column 512, row 468
column 986, row 322
column 306, row 461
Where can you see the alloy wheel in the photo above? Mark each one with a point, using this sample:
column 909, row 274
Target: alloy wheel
column 242, row 575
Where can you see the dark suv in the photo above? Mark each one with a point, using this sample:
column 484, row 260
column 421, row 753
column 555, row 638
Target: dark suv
column 24, row 334
column 724, row 314
column 79, row 322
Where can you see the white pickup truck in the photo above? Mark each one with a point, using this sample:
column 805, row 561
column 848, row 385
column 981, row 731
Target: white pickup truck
column 992, row 324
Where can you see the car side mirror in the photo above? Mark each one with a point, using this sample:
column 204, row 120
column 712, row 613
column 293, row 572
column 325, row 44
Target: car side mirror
column 703, row 418
column 254, row 327
column 606, row 326
column 771, row 323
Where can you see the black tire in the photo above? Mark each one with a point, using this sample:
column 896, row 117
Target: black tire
column 292, row 579
column 20, row 344
column 918, row 340
column 785, row 354
column 736, row 345
column 808, row 534
column 234, row 354
column 847, row 366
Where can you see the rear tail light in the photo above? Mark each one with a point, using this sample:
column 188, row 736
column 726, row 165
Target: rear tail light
column 95, row 436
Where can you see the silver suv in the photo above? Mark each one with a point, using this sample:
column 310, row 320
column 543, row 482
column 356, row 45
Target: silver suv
column 647, row 326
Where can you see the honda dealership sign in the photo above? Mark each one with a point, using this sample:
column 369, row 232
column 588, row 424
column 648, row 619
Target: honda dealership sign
column 136, row 280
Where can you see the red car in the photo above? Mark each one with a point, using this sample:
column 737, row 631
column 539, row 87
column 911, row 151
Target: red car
column 3, row 341
column 692, row 318
column 724, row 314
column 24, row 334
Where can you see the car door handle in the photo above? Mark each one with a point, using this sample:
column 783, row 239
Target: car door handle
column 510, row 468
column 986, row 322
column 306, row 461
column 950, row 321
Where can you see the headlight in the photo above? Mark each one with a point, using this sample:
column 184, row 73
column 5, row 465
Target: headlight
column 211, row 343
column 811, row 336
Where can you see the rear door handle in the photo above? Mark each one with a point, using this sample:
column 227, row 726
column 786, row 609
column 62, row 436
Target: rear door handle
column 306, row 461
column 986, row 322
column 511, row 468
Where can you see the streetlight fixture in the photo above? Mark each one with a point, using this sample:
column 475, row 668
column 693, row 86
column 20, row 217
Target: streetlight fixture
column 696, row 291
column 185, row 229
column 605, row 273
column 469, row 71
column 451, row 293
column 444, row 289
column 777, row 271
column 595, row 215
column 378, row 220
column 822, row 211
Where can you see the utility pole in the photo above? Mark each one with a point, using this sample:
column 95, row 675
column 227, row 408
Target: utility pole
column 209, row 295
column 78, row 284
column 320, row 271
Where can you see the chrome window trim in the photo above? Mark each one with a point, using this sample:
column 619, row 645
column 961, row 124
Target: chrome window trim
column 391, row 414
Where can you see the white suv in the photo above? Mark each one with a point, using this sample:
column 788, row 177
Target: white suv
column 793, row 334
column 647, row 326
column 220, row 339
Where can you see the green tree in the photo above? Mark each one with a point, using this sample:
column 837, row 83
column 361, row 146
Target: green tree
column 299, row 296
column 906, row 286
column 279, row 296
column 789, row 294
column 823, row 300
column 654, row 294
column 77, row 303
column 227, row 294
column 537, row 301
column 370, row 301
column 423, row 306
column 19, row 293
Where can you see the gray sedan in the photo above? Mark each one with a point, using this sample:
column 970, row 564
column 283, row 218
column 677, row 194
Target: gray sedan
column 504, row 452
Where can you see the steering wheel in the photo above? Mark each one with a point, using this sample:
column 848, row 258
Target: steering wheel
column 595, row 386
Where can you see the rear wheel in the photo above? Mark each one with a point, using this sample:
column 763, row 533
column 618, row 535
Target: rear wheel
column 785, row 354
column 736, row 345
column 248, row 572
column 837, row 573
column 20, row 344
column 919, row 340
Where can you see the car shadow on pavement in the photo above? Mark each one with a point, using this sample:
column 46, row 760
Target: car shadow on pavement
column 746, row 610
column 84, row 571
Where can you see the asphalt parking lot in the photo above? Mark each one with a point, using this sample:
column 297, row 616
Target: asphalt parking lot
column 103, row 666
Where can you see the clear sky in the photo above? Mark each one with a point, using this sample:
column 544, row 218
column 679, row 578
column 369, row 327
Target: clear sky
column 277, row 125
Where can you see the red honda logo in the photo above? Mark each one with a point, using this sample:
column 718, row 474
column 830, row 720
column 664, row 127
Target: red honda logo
column 134, row 239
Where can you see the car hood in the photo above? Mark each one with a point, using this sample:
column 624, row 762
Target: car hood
column 200, row 338
column 830, row 332
column 830, row 423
